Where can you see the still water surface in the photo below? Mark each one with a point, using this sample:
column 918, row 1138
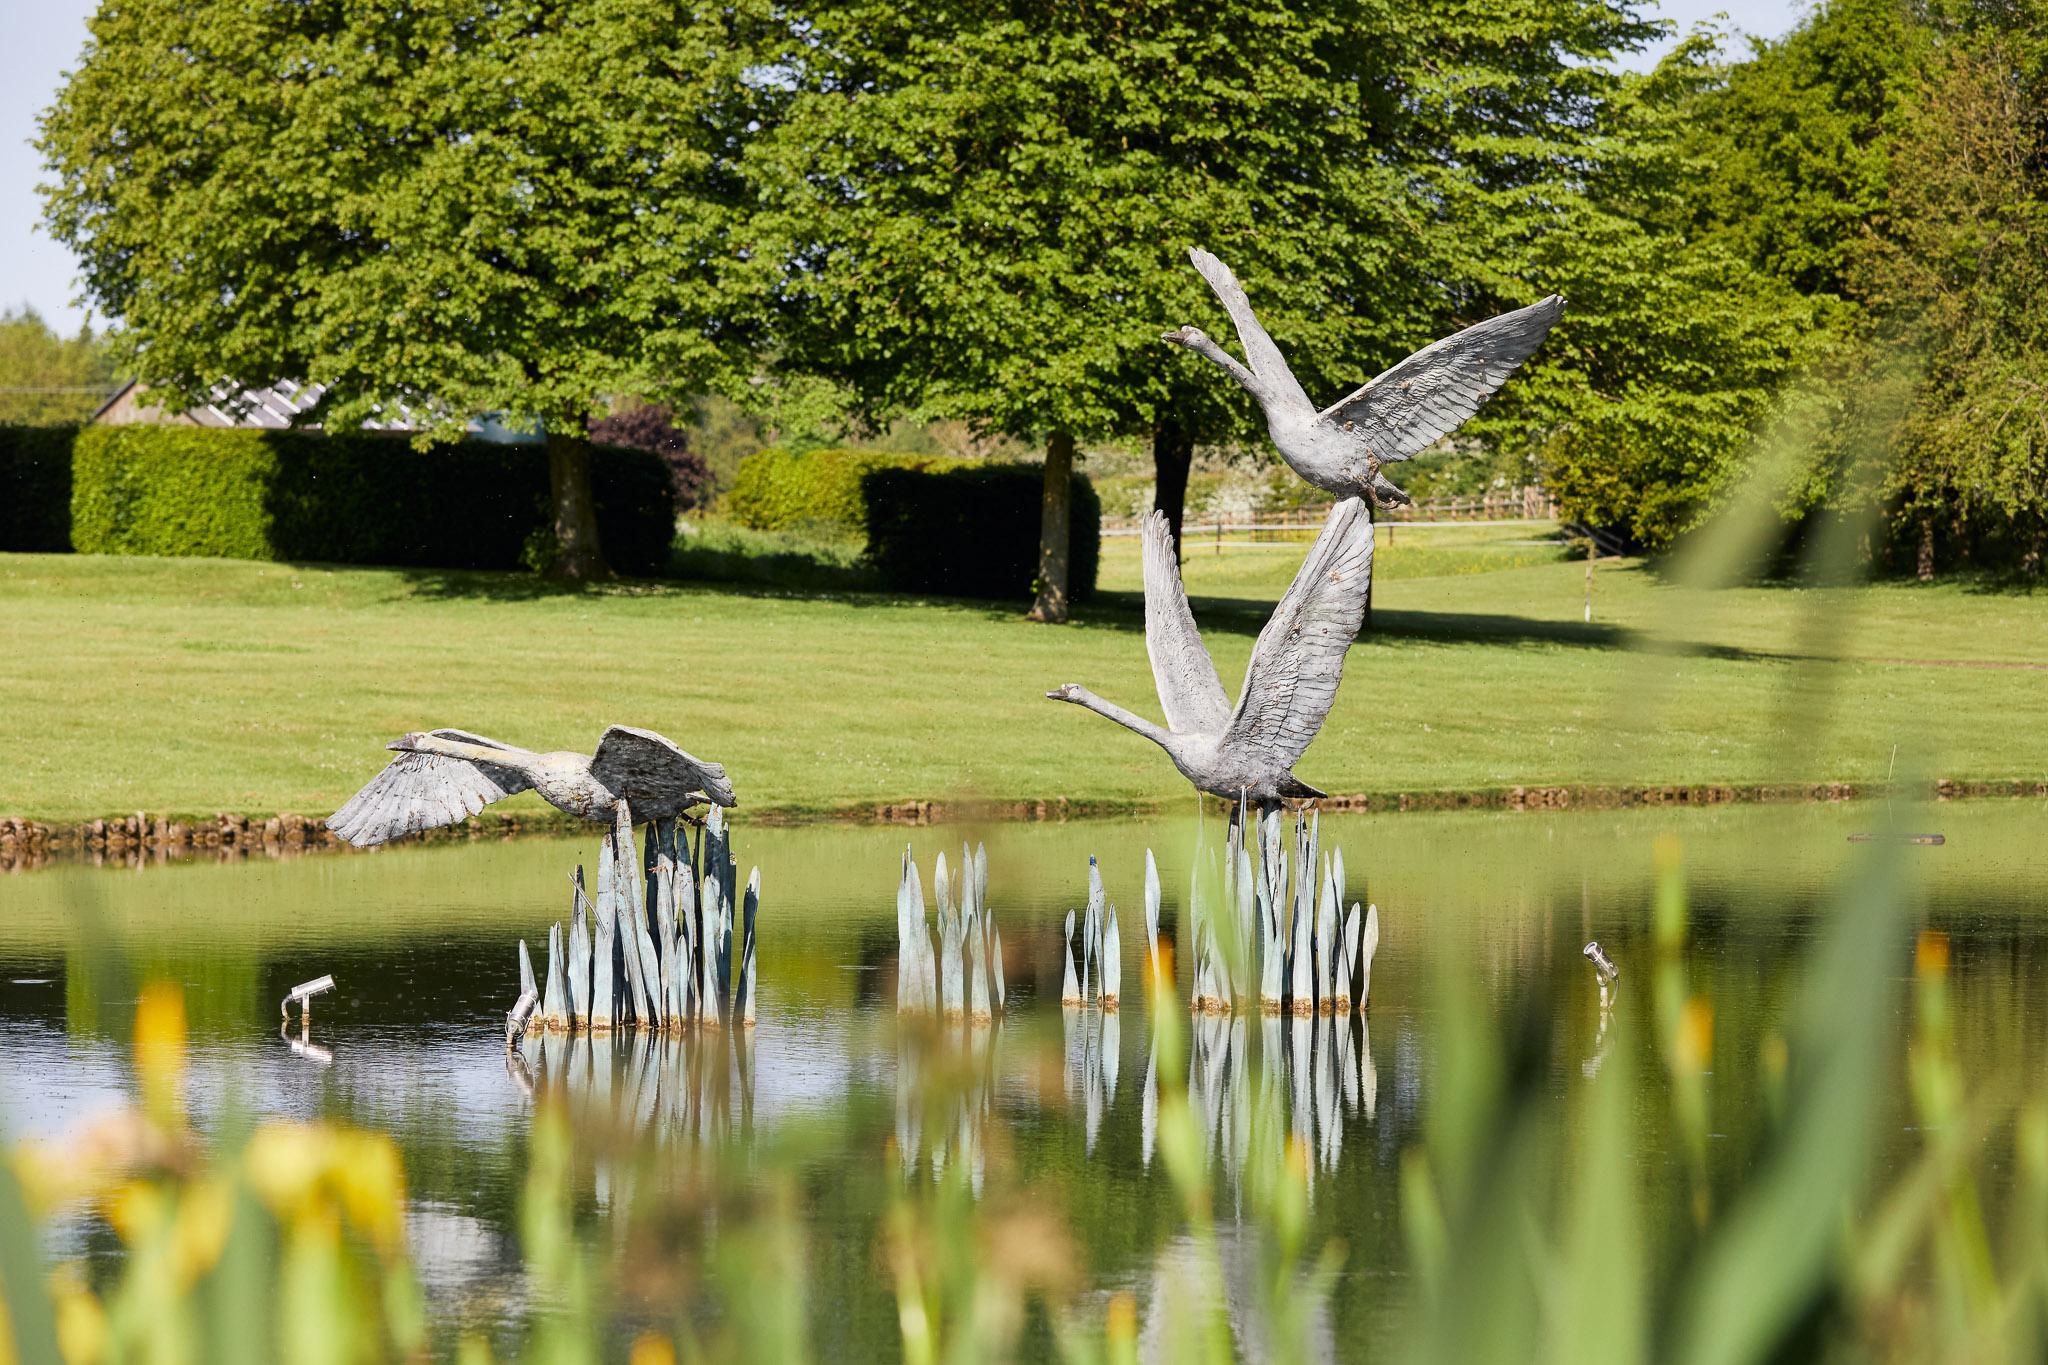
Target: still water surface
column 1048, row 1110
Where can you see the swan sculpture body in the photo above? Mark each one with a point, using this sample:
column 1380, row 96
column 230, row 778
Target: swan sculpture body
column 1249, row 750
column 445, row 776
column 1395, row 417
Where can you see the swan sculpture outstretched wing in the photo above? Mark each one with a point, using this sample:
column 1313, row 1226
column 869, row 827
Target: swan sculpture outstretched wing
column 441, row 777
column 1189, row 691
column 1399, row 414
column 650, row 765
column 1264, row 356
column 1291, row 682
column 1430, row 394
column 1289, row 685
column 419, row 791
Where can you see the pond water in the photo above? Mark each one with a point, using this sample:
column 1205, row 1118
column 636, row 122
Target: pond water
column 1049, row 1111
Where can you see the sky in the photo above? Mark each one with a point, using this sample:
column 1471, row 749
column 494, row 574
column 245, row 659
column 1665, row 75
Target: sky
column 43, row 43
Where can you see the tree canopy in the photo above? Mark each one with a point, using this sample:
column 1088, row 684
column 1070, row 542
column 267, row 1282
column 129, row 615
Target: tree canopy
column 989, row 209
column 457, row 208
column 1872, row 184
column 957, row 211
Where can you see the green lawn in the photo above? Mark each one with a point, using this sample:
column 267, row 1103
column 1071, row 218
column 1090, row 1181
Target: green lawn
column 1241, row 567
column 188, row 686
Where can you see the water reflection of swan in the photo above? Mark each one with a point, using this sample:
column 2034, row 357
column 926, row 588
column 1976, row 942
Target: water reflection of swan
column 442, row 777
column 1289, row 685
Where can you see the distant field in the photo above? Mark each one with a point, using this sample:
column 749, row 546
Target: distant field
column 188, row 686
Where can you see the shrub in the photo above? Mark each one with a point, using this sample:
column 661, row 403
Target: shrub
column 35, row 487
column 971, row 530
column 780, row 490
column 355, row 498
column 651, row 427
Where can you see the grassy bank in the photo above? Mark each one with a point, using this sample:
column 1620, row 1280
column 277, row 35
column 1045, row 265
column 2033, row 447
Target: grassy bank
column 186, row 686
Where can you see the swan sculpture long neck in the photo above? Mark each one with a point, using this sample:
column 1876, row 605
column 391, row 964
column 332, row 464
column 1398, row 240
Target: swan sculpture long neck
column 1163, row 738
column 1205, row 345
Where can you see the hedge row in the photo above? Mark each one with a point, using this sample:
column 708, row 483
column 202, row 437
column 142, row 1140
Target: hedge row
column 933, row 524
column 353, row 498
column 35, row 488
column 778, row 490
column 972, row 530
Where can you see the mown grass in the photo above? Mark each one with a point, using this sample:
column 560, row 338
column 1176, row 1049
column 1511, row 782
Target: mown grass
column 188, row 686
column 1238, row 565
column 714, row 550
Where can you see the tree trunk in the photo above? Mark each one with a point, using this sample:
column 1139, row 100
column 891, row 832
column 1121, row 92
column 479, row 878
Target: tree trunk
column 579, row 556
column 1054, row 530
column 1173, row 455
column 1926, row 549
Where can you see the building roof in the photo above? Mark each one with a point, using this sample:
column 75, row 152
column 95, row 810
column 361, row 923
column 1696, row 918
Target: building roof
column 275, row 407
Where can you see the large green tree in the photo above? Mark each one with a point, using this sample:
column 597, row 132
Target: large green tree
column 1790, row 144
column 448, row 209
column 1955, row 276
column 1643, row 408
column 1886, row 162
column 988, row 207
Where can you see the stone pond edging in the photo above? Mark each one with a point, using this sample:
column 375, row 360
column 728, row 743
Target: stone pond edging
column 141, row 837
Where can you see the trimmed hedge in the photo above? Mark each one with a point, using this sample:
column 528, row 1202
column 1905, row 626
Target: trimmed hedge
column 35, row 488
column 779, row 490
column 971, row 530
column 348, row 498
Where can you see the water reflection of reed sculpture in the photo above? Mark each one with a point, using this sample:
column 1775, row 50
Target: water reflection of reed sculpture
column 1268, row 912
column 1249, row 751
column 1312, row 1073
column 1094, row 1053
column 442, row 777
column 668, row 943
column 693, row 1087
column 964, row 977
column 945, row 1100
column 1395, row 417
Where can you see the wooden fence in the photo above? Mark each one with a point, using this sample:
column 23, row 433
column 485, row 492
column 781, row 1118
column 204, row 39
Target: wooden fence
column 1502, row 504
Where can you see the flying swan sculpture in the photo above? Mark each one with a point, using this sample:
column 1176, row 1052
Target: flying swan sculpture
column 441, row 777
column 1395, row 417
column 1251, row 749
